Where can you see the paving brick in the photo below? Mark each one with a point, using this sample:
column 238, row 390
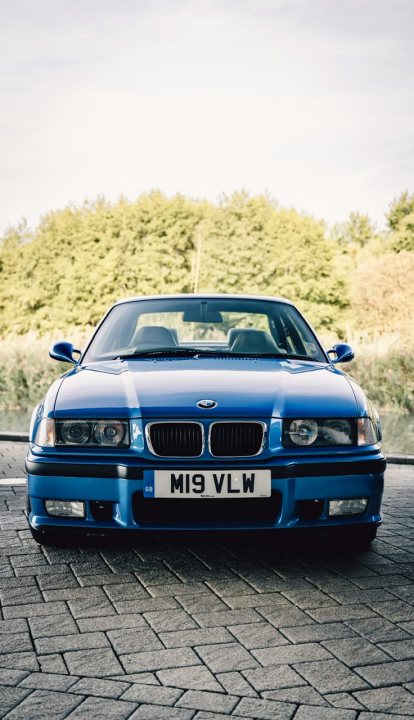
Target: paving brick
column 141, row 605
column 12, row 677
column 35, row 610
column 264, row 709
column 309, row 712
column 190, row 638
column 91, row 607
column 54, row 625
column 95, row 708
column 10, row 697
column 44, row 704
column 303, row 695
column 80, row 641
column 74, row 593
column 226, row 657
column 52, row 664
column 356, row 651
column 201, row 700
column 156, row 695
column 235, row 684
column 330, row 676
column 390, row 673
column 395, row 611
column 206, row 602
column 255, row 601
column 13, row 626
column 316, row 632
column 100, row 688
column 111, row 622
column 227, row 618
column 344, row 700
column 273, row 678
column 288, row 654
column 177, row 589
column 156, row 712
column 285, row 616
column 93, row 663
column 164, row 620
column 340, row 613
column 134, row 640
column 125, row 591
column 380, row 716
column 390, row 699
column 306, row 599
column 258, row 635
column 19, row 661
column 15, row 642
column 378, row 630
column 48, row 681
column 193, row 678
column 159, row 659
column 20, row 595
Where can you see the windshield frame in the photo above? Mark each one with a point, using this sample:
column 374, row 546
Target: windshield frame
column 230, row 300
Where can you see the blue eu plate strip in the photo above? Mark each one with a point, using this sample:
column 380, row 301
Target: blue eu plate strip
column 149, row 489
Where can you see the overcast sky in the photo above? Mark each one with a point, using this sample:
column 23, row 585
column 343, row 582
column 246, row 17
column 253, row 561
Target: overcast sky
column 311, row 101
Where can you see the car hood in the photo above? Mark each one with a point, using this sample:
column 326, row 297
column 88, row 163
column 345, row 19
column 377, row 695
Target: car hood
column 172, row 387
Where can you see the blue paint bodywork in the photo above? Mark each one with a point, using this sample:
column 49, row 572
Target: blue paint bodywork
column 147, row 389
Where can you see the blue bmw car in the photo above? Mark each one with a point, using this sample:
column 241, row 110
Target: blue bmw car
column 204, row 412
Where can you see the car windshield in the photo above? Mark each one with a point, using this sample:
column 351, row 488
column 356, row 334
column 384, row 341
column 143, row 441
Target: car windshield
column 204, row 326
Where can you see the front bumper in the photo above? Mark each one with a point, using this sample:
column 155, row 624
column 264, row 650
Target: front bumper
column 300, row 495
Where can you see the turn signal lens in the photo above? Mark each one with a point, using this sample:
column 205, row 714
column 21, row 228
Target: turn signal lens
column 45, row 433
column 366, row 432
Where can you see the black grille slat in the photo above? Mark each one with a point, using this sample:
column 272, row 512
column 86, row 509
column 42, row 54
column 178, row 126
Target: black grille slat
column 176, row 439
column 236, row 439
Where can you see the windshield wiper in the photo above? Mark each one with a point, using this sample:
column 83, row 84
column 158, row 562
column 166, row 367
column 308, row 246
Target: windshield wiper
column 163, row 352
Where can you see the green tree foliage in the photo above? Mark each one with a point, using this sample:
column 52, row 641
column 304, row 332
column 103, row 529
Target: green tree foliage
column 382, row 294
column 400, row 219
column 81, row 259
column 358, row 231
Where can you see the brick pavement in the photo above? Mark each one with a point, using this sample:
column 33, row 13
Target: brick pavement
column 207, row 627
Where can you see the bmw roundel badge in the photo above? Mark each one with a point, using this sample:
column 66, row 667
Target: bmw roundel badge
column 206, row 404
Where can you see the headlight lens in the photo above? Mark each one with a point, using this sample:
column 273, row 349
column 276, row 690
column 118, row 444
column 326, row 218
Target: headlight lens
column 106, row 433
column 312, row 431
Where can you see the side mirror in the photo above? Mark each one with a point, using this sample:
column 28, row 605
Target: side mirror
column 63, row 351
column 342, row 352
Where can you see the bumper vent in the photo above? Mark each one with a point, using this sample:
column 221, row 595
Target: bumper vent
column 236, row 439
column 175, row 439
column 191, row 513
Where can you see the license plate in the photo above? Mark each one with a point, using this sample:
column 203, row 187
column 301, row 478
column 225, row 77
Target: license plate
column 235, row 484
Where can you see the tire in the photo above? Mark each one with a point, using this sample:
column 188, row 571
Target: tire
column 356, row 537
column 49, row 537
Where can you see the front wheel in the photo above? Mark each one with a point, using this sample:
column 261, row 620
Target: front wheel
column 355, row 537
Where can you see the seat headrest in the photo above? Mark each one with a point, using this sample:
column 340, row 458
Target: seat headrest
column 254, row 341
column 154, row 336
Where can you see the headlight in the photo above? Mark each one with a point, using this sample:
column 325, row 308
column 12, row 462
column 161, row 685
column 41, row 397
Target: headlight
column 107, row 433
column 312, row 431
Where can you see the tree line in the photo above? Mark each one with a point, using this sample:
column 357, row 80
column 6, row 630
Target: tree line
column 79, row 260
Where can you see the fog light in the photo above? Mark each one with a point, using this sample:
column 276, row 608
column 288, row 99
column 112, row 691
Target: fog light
column 349, row 506
column 65, row 508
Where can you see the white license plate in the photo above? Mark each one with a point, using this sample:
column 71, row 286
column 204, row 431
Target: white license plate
column 210, row 484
